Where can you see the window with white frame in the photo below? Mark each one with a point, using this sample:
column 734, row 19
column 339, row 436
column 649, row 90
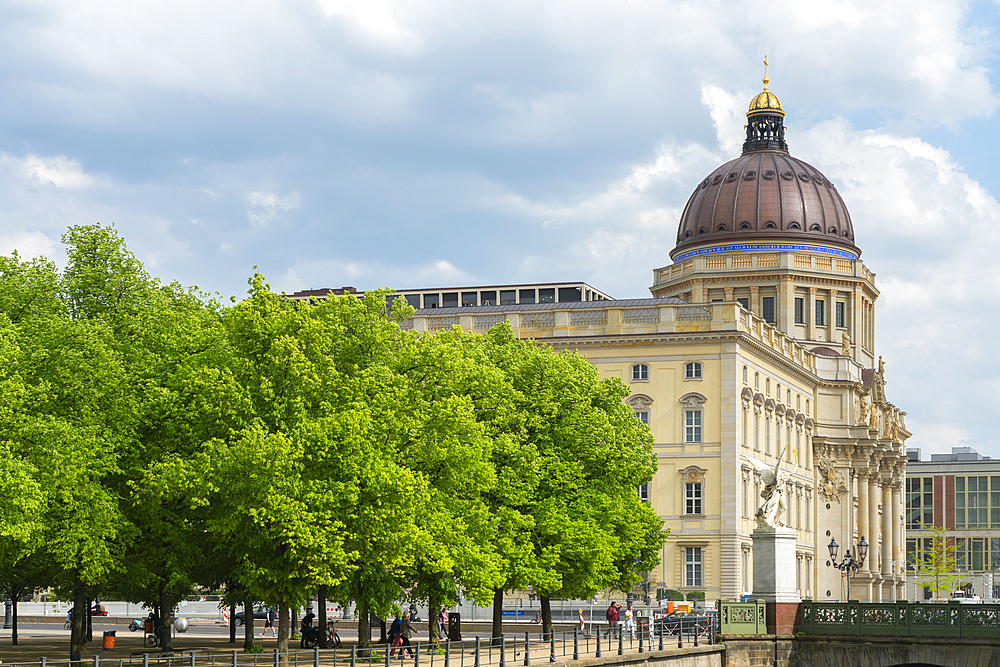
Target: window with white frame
column 643, row 416
column 692, row 426
column 640, row 372
column 643, row 491
column 692, row 567
column 692, row 498
column 692, row 370
column 693, row 417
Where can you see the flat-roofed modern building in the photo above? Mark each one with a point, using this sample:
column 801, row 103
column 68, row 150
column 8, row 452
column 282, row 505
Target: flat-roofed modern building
column 960, row 492
column 491, row 295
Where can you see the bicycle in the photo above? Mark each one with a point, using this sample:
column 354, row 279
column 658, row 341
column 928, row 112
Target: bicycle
column 310, row 636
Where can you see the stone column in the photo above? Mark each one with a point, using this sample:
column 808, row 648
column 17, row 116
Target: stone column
column 831, row 322
column 786, row 306
column 729, row 294
column 755, row 301
column 811, row 315
column 873, row 496
column 862, row 518
column 887, row 522
column 897, row 541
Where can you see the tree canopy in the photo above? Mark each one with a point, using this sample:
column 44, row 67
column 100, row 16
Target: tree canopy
column 154, row 440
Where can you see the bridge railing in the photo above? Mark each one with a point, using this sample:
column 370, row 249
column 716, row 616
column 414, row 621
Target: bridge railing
column 900, row 618
column 742, row 618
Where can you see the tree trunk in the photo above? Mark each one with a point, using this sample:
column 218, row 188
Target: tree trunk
column 283, row 633
column 13, row 627
column 232, row 624
column 321, row 614
column 90, row 621
column 364, row 625
column 433, row 610
column 247, row 624
column 295, row 618
column 546, row 618
column 166, row 621
column 79, row 614
column 497, row 615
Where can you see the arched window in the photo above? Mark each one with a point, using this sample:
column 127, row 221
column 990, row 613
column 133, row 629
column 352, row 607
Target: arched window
column 640, row 373
column 692, row 370
column 693, row 416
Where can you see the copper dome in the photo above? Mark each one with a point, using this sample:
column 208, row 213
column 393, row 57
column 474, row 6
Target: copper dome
column 766, row 196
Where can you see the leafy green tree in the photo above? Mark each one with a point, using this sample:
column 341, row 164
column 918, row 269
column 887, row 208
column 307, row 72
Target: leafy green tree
column 589, row 529
column 936, row 562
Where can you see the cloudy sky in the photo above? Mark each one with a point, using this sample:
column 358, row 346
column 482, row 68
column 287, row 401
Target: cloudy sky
column 445, row 142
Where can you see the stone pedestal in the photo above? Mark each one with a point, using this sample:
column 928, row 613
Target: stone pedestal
column 774, row 578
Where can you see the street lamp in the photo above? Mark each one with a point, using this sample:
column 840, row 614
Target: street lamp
column 850, row 564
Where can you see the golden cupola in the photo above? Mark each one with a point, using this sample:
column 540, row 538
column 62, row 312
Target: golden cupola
column 765, row 121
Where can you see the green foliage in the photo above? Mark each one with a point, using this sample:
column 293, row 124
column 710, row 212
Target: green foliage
column 154, row 440
column 255, row 648
column 696, row 596
column 936, row 563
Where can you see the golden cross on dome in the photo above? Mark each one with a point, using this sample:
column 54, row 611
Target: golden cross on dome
column 766, row 80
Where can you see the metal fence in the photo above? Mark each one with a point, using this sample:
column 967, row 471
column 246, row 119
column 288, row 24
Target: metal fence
column 901, row 618
column 506, row 651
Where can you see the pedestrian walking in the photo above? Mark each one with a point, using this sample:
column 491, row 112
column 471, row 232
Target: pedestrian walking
column 612, row 616
column 405, row 631
column 629, row 622
column 394, row 634
column 443, row 622
column 269, row 623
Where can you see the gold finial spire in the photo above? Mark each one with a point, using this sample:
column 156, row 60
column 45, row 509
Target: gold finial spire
column 766, row 80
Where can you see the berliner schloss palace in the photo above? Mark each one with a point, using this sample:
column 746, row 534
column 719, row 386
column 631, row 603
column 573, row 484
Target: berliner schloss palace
column 758, row 339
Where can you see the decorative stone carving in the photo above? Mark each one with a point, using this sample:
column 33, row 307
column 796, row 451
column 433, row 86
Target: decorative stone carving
column 845, row 344
column 639, row 401
column 693, row 475
column 693, row 401
column 770, row 513
column 863, row 413
column 831, row 481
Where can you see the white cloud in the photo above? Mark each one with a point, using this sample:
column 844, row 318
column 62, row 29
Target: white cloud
column 28, row 244
column 58, row 171
column 265, row 207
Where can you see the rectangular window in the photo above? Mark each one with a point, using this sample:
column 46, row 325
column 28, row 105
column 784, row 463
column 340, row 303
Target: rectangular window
column 547, row 295
column 570, row 294
column 508, row 297
column 820, row 307
column 449, row 300
column 767, row 308
column 488, row 298
column 840, row 314
column 919, row 502
column 413, row 300
column 692, row 498
column 692, row 426
column 744, row 439
column 767, row 435
column 808, row 512
column 470, row 299
column 756, row 432
column 527, row 296
column 746, row 498
column 798, row 509
column 643, row 490
column 643, row 416
column 692, row 567
column 431, row 300
column 744, row 302
column 800, row 317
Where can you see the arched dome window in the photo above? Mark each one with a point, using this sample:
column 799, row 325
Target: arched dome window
column 794, row 225
column 814, row 228
column 770, row 225
column 721, row 228
column 702, row 230
column 746, row 225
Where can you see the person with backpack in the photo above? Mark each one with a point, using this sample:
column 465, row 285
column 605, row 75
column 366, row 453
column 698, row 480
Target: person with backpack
column 394, row 638
column 612, row 616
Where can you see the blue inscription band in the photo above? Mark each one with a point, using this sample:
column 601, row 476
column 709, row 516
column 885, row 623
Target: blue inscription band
column 750, row 247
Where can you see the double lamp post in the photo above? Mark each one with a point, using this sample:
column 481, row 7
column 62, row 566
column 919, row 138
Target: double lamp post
column 849, row 564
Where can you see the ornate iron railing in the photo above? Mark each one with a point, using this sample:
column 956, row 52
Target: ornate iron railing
column 742, row 618
column 901, row 618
